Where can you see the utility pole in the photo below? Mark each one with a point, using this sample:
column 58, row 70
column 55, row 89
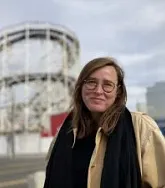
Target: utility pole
column 12, row 133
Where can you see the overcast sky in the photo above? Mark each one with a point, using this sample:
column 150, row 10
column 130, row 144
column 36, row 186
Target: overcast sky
column 132, row 31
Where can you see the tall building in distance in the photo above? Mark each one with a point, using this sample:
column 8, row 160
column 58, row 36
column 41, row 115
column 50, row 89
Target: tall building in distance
column 141, row 107
column 155, row 98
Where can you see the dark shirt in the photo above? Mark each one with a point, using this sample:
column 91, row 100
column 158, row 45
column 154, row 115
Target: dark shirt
column 82, row 153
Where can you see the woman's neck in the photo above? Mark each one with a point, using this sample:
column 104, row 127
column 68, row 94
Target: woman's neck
column 96, row 116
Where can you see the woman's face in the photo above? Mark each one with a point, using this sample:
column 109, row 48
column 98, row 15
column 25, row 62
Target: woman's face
column 100, row 89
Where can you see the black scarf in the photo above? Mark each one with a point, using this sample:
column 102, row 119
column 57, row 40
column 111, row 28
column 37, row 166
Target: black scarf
column 121, row 167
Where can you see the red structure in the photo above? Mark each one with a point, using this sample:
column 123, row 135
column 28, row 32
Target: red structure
column 56, row 121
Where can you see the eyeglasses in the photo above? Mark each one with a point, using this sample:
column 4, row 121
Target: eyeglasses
column 107, row 87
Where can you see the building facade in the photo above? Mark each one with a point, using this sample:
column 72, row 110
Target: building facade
column 155, row 98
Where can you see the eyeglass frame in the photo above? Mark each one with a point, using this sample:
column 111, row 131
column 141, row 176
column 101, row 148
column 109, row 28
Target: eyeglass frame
column 102, row 85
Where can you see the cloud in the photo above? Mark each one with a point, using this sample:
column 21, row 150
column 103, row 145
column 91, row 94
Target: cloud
column 147, row 72
column 132, row 59
column 90, row 6
column 131, row 31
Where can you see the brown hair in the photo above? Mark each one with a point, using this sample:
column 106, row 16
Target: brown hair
column 81, row 115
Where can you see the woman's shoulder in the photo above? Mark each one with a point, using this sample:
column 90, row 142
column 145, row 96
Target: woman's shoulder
column 151, row 148
column 144, row 121
column 146, row 129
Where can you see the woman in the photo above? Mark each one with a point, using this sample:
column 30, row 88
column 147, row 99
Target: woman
column 101, row 144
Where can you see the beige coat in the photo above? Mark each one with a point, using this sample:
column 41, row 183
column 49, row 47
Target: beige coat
column 150, row 149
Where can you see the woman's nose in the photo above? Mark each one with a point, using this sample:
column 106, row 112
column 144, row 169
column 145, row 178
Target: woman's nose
column 99, row 89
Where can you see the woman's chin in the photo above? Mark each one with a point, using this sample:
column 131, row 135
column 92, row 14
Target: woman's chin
column 97, row 109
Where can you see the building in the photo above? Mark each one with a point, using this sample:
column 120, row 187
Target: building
column 155, row 99
column 141, row 107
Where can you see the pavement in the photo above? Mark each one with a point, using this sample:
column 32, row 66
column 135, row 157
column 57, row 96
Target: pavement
column 14, row 172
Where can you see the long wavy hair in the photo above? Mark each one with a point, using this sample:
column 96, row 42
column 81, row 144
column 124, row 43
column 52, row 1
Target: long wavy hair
column 81, row 116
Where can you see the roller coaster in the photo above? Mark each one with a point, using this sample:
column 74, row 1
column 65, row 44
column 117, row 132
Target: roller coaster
column 37, row 60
